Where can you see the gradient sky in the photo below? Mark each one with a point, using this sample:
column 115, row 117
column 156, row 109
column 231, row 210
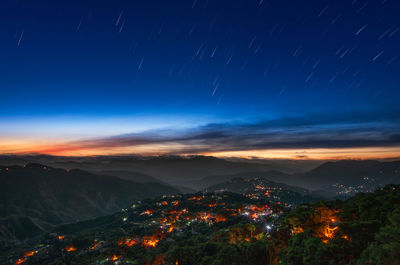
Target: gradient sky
column 269, row 78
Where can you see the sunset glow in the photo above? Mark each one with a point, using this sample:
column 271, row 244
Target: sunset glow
column 77, row 149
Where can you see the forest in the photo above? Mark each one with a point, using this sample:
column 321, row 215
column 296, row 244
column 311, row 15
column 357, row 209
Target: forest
column 228, row 228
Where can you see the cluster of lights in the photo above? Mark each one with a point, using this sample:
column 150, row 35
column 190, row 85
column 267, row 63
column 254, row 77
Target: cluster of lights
column 176, row 218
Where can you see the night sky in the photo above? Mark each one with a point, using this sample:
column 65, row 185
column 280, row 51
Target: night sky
column 268, row 78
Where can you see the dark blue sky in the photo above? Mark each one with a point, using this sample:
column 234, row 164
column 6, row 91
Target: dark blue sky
column 247, row 61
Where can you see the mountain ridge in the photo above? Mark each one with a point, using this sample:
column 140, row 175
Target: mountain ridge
column 41, row 197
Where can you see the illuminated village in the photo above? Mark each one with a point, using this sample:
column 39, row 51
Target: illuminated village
column 148, row 225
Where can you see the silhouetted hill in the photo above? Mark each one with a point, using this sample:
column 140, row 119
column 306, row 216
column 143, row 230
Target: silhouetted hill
column 343, row 178
column 216, row 179
column 175, row 170
column 249, row 184
column 351, row 173
column 259, row 187
column 35, row 198
column 132, row 176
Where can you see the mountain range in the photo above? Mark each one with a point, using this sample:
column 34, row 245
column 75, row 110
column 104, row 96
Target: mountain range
column 333, row 177
column 35, row 198
column 174, row 170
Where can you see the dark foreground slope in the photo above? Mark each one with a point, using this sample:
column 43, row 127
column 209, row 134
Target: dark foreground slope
column 36, row 198
column 228, row 228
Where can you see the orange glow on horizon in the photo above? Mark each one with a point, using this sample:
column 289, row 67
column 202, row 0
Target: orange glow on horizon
column 91, row 148
column 317, row 153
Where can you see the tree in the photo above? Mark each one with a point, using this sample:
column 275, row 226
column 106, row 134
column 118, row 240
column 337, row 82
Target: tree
column 385, row 250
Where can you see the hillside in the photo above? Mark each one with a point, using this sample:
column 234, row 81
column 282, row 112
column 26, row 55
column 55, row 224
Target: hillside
column 259, row 187
column 275, row 176
column 352, row 173
column 175, row 170
column 36, row 198
column 227, row 228
column 340, row 178
column 131, row 175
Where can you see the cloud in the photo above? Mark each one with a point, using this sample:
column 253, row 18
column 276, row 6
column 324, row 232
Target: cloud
column 311, row 131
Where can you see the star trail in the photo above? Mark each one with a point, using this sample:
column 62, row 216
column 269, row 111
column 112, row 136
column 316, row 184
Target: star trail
column 268, row 78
